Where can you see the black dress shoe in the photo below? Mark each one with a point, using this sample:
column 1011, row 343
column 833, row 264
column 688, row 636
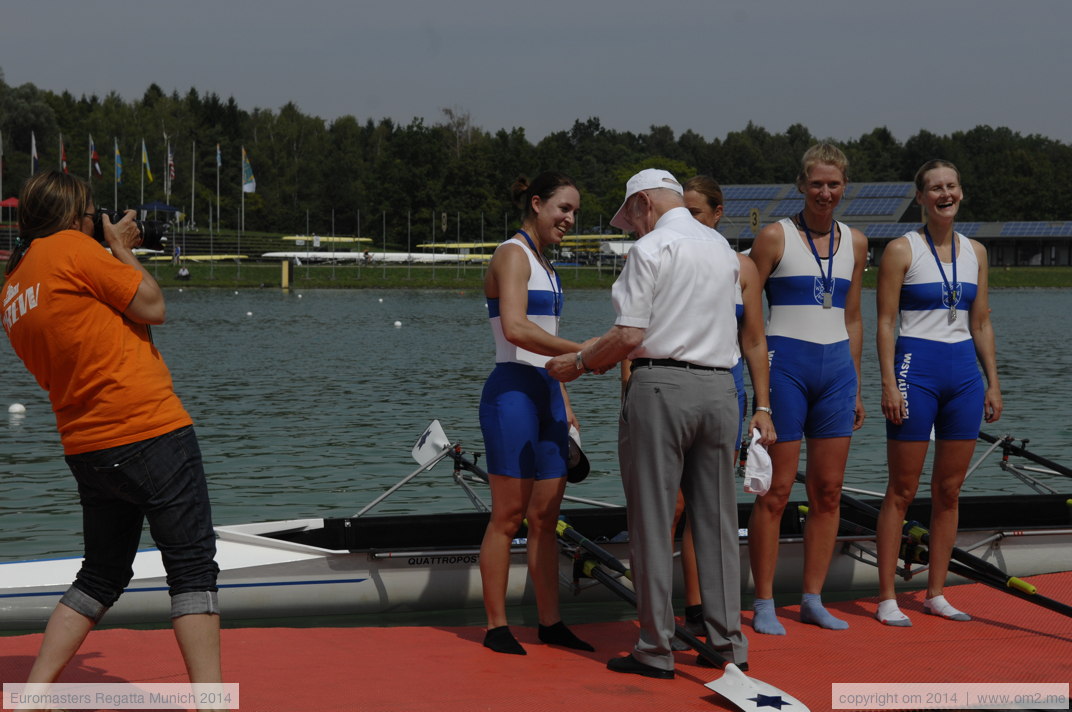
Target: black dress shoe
column 704, row 662
column 631, row 665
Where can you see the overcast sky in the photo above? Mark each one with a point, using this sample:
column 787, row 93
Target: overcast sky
column 841, row 68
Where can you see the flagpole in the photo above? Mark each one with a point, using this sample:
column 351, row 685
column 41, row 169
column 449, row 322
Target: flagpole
column 115, row 173
column 167, row 169
column 193, row 161
column 89, row 163
column 211, row 249
column 141, row 200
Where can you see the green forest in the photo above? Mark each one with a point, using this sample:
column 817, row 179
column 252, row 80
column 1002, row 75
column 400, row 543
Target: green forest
column 314, row 175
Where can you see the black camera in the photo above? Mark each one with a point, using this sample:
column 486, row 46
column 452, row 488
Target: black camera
column 154, row 233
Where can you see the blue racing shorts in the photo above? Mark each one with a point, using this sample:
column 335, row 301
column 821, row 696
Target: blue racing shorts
column 942, row 387
column 523, row 420
column 813, row 388
column 742, row 399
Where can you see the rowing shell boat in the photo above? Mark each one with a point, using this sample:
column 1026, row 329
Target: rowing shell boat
column 405, row 563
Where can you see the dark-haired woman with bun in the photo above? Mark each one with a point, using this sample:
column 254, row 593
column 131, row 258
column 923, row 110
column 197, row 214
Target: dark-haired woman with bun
column 934, row 281
column 524, row 413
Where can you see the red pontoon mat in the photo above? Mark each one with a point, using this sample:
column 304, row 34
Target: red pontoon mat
column 433, row 669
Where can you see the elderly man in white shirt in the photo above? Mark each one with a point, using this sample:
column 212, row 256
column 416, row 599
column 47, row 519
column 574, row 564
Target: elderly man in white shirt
column 676, row 320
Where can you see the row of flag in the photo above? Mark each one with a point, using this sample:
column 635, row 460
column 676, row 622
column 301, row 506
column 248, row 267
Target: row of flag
column 249, row 182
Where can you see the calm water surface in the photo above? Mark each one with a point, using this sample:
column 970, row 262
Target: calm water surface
column 308, row 403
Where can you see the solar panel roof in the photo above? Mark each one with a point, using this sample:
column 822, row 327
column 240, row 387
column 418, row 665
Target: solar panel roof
column 890, row 229
column 1027, row 229
column 885, row 190
column 741, row 208
column 874, row 206
column 750, row 192
column 787, row 206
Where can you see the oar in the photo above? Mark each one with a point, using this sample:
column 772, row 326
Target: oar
column 921, row 555
column 1006, row 444
column 917, row 532
column 962, row 563
column 742, row 691
column 429, row 464
column 914, row 552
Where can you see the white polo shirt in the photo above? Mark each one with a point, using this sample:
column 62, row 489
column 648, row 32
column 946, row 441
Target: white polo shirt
column 678, row 285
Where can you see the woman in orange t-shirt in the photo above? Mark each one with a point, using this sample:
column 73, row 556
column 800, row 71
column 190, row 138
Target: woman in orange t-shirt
column 79, row 318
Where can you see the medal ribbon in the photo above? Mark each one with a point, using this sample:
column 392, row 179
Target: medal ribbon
column 557, row 294
column 828, row 278
column 954, row 297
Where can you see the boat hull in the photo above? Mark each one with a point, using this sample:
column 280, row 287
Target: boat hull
column 397, row 564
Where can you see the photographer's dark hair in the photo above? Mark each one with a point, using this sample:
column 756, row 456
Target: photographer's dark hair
column 49, row 202
column 544, row 186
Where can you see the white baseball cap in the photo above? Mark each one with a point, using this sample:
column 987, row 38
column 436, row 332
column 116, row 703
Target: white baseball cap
column 645, row 180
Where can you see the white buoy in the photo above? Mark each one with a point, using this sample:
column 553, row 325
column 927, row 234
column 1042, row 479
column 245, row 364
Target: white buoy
column 180, row 290
column 249, row 313
column 398, row 324
column 381, row 300
column 236, row 291
column 299, row 296
column 16, row 408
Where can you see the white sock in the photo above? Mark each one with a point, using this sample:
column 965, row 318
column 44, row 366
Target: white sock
column 890, row 614
column 938, row 606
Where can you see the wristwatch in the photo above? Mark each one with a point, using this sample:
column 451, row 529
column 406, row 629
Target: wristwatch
column 762, row 409
column 578, row 361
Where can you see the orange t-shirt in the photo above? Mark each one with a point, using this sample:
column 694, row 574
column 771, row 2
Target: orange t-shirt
column 63, row 309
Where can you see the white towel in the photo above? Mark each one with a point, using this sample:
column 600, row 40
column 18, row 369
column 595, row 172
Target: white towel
column 757, row 468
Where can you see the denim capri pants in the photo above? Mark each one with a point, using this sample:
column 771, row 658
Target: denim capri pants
column 161, row 480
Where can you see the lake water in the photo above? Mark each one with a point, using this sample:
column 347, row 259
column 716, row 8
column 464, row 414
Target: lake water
column 307, row 403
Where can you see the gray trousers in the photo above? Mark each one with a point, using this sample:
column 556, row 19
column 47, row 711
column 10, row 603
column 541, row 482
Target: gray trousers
column 677, row 431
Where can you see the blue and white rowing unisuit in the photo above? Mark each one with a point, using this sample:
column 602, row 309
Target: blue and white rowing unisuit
column 813, row 378
column 738, row 368
column 544, row 309
column 935, row 361
column 522, row 413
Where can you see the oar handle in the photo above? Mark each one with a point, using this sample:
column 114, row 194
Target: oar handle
column 1020, row 585
column 1036, row 598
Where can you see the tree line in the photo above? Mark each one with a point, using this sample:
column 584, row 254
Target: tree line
column 326, row 176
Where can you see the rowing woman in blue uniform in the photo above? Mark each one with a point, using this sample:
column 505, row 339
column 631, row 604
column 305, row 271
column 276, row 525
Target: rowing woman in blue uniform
column 935, row 280
column 811, row 267
column 524, row 413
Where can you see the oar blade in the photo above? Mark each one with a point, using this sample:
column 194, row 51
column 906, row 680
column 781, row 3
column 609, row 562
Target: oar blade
column 750, row 694
column 430, row 444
